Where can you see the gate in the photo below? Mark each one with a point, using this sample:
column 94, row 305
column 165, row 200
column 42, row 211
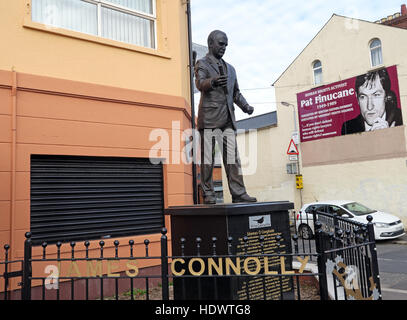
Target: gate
column 345, row 256
column 348, row 256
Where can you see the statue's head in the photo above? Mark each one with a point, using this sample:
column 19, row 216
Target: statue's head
column 217, row 43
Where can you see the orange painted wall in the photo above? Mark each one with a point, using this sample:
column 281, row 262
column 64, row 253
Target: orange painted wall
column 35, row 48
column 66, row 93
column 54, row 116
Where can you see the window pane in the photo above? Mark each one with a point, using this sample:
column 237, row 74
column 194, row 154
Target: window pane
column 358, row 209
column 139, row 5
column 68, row 14
column 375, row 43
column 317, row 64
column 127, row 28
column 376, row 56
column 318, row 76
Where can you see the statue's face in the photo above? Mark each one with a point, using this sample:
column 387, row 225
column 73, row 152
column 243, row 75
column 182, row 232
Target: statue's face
column 219, row 45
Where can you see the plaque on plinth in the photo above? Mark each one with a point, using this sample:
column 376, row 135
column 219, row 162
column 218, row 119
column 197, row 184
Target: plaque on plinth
column 237, row 228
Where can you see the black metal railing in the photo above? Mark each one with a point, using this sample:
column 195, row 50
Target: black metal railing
column 348, row 257
column 345, row 242
column 8, row 267
column 303, row 226
column 256, row 276
column 74, row 281
column 343, row 253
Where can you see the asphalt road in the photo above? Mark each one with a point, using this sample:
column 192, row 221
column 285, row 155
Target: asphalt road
column 392, row 258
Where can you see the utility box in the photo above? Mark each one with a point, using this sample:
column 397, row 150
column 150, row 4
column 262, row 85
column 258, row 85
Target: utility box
column 298, row 181
column 292, row 168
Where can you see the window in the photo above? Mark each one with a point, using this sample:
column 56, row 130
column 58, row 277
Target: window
column 376, row 52
column 320, row 207
column 337, row 210
column 358, row 209
column 317, row 69
column 129, row 21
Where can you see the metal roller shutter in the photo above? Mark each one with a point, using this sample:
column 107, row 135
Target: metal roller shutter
column 76, row 198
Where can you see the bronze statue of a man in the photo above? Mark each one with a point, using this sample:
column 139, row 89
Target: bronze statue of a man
column 217, row 82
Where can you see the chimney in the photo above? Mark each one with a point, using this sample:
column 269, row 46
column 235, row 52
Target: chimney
column 403, row 10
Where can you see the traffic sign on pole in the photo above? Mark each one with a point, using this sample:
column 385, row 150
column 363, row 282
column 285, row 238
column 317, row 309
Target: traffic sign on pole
column 293, row 157
column 292, row 148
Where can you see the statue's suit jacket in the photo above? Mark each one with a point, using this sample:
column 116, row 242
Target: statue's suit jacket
column 213, row 102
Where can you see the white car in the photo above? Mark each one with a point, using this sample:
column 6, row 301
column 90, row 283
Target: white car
column 386, row 226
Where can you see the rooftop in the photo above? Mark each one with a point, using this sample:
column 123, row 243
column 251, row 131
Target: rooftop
column 257, row 122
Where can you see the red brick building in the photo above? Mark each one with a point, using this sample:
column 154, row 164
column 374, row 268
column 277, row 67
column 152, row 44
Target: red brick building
column 398, row 19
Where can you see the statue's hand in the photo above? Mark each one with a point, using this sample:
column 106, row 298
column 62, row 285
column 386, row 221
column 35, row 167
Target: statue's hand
column 249, row 109
column 219, row 81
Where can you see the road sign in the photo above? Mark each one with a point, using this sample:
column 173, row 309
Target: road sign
column 293, row 157
column 295, row 136
column 292, row 148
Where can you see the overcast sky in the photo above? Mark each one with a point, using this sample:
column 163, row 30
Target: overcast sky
column 265, row 36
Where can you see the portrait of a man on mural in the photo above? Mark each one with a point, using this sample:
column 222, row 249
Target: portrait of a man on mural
column 364, row 103
column 377, row 102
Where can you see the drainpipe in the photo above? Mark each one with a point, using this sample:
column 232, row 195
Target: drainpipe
column 13, row 159
column 191, row 89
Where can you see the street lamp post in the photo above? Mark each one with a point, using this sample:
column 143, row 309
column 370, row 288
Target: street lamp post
column 286, row 104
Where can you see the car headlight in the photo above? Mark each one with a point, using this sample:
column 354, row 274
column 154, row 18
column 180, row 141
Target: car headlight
column 381, row 224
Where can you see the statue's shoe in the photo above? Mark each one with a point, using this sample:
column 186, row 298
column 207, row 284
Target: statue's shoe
column 244, row 198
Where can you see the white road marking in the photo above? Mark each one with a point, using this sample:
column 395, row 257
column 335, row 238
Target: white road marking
column 395, row 260
column 394, row 290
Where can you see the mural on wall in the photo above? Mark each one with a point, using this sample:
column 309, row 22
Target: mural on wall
column 368, row 102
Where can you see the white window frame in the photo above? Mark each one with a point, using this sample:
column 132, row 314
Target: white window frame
column 117, row 7
column 313, row 72
column 371, row 49
column 113, row 6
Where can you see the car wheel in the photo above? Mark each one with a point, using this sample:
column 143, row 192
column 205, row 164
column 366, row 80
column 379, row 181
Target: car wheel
column 305, row 232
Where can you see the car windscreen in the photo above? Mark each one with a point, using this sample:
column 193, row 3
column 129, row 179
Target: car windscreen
column 358, row 208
